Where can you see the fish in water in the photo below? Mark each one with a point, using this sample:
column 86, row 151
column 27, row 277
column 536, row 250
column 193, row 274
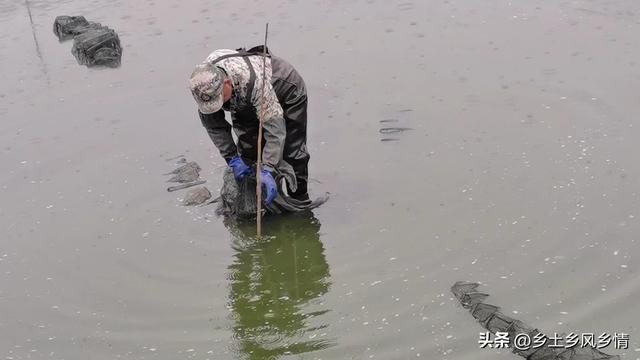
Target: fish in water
column 188, row 172
column 176, row 158
column 196, row 196
column 493, row 320
column 393, row 130
column 185, row 185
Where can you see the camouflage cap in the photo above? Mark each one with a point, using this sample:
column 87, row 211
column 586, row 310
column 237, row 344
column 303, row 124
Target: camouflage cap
column 206, row 87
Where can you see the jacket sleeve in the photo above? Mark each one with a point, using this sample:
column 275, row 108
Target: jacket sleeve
column 219, row 131
column 274, row 128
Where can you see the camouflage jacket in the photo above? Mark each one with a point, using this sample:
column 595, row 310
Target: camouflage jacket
column 273, row 121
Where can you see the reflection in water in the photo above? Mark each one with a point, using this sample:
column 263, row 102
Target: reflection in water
column 275, row 289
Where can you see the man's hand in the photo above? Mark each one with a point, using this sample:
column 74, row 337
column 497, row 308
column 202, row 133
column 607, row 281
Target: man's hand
column 269, row 185
column 240, row 169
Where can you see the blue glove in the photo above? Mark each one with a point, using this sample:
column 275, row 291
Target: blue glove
column 240, row 169
column 269, row 185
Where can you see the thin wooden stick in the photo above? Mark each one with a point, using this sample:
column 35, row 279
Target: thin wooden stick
column 259, row 162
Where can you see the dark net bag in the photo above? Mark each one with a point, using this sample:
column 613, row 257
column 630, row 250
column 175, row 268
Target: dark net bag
column 97, row 47
column 93, row 43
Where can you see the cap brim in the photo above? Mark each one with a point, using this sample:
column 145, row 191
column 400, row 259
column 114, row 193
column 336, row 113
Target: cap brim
column 210, row 107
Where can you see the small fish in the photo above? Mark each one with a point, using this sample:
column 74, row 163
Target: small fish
column 179, row 157
column 393, row 130
column 184, row 186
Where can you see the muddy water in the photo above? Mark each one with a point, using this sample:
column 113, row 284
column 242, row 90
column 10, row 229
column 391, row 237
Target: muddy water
column 519, row 171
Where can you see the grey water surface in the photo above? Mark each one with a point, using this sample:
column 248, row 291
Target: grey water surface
column 516, row 167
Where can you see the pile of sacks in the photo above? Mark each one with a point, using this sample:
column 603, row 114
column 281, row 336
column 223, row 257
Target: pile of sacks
column 93, row 43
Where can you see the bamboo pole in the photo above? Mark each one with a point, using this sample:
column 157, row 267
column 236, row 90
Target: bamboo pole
column 259, row 157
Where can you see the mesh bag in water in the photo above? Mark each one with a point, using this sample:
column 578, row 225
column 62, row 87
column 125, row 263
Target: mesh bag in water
column 245, row 202
column 67, row 27
column 492, row 319
column 97, row 47
column 238, row 198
